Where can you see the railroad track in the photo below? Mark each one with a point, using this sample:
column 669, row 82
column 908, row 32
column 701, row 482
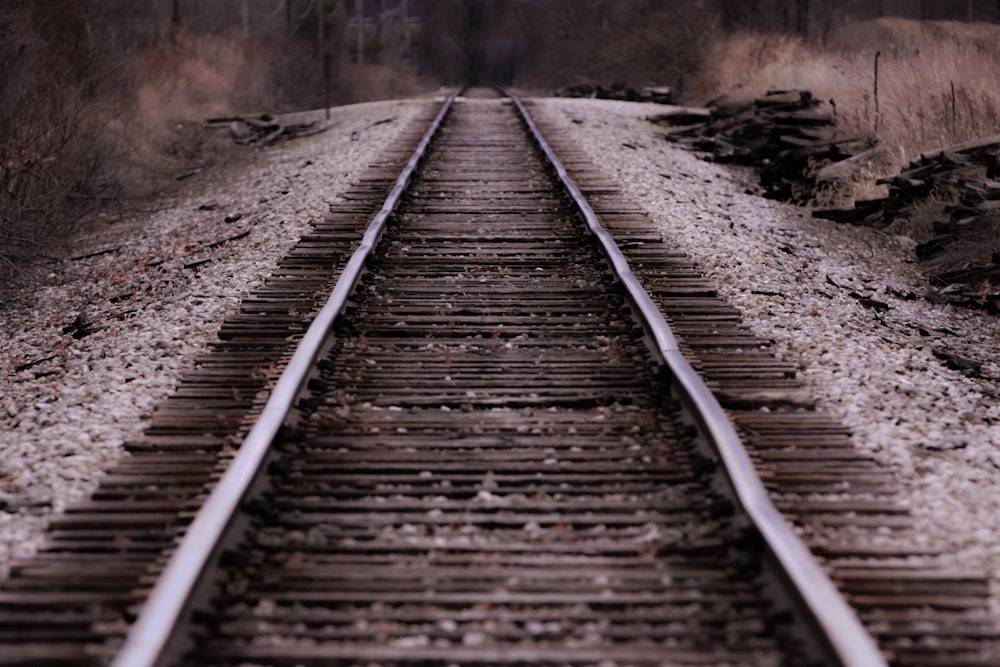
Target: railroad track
column 491, row 461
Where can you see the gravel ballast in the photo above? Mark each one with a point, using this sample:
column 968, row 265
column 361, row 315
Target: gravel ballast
column 84, row 359
column 843, row 303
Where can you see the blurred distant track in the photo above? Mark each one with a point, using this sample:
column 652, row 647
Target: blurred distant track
column 489, row 448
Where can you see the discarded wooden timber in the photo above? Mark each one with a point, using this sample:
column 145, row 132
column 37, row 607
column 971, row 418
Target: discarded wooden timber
column 976, row 146
column 961, row 173
column 618, row 91
column 962, row 297
column 974, row 274
column 792, row 141
column 786, row 99
column 807, row 117
column 264, row 129
column 682, row 116
column 786, row 133
column 956, row 188
column 728, row 107
column 921, row 172
column 658, row 94
column 849, row 166
column 865, row 212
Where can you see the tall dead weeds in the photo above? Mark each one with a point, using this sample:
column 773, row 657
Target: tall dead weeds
column 938, row 83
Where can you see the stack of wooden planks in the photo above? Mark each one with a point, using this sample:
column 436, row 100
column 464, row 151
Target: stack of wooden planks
column 618, row 91
column 958, row 190
column 786, row 133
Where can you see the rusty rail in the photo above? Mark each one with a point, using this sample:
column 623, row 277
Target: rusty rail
column 149, row 640
column 838, row 623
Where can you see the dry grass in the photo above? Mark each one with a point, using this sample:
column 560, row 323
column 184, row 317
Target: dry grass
column 938, row 83
column 84, row 128
column 179, row 81
column 194, row 76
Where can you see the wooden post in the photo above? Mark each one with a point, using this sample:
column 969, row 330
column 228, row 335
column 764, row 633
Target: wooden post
column 405, row 14
column 359, row 13
column 954, row 110
column 326, row 83
column 803, row 19
column 877, row 55
column 385, row 32
column 320, row 29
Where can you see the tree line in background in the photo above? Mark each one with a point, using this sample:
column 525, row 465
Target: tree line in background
column 463, row 35
column 815, row 18
column 73, row 69
column 380, row 29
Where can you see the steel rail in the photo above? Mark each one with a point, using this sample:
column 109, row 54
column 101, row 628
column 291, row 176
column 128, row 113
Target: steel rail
column 149, row 640
column 840, row 626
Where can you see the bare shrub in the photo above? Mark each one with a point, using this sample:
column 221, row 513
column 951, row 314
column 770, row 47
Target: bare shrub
column 191, row 76
column 84, row 127
column 54, row 96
